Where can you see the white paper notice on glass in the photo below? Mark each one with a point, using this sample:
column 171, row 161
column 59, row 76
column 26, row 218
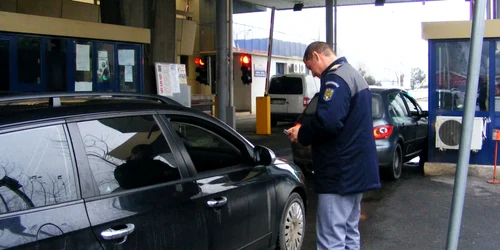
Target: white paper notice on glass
column 83, row 86
column 181, row 69
column 82, row 57
column 129, row 77
column 126, row 57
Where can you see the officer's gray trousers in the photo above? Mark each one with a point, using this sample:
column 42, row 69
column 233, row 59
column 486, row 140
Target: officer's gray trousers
column 337, row 222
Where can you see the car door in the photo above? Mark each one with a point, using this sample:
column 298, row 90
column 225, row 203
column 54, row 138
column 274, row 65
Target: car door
column 40, row 202
column 236, row 194
column 136, row 191
column 421, row 123
column 405, row 124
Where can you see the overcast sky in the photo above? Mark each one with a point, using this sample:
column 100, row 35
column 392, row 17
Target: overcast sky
column 384, row 39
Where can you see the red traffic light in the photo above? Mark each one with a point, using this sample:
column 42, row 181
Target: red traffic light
column 245, row 59
column 199, row 61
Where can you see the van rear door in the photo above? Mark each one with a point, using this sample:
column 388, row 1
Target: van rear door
column 286, row 94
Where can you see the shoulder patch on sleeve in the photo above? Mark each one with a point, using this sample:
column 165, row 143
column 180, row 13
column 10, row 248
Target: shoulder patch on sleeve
column 332, row 83
column 328, row 94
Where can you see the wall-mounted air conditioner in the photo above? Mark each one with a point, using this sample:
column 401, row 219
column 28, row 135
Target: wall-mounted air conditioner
column 296, row 68
column 449, row 130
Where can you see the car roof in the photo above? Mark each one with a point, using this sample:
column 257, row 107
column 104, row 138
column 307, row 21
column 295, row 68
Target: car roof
column 22, row 108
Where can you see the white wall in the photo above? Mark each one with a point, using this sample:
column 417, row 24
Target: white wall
column 245, row 95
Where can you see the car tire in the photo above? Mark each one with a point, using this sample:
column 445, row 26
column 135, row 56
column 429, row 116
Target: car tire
column 396, row 167
column 292, row 224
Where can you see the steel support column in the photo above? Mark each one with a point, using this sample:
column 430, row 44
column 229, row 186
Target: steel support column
column 221, row 55
column 329, row 22
column 477, row 35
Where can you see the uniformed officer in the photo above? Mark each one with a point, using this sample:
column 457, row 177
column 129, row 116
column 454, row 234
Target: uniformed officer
column 343, row 147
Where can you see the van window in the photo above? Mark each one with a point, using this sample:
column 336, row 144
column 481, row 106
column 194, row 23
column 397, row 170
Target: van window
column 286, row 86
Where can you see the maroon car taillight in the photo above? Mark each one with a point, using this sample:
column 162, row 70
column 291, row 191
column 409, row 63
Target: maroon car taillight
column 382, row 132
column 305, row 101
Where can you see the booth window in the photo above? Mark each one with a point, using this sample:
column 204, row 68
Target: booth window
column 497, row 77
column 105, row 63
column 4, row 65
column 83, row 70
column 452, row 60
column 56, row 65
column 28, row 56
column 127, row 63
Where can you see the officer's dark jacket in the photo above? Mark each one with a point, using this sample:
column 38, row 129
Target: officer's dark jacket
column 341, row 133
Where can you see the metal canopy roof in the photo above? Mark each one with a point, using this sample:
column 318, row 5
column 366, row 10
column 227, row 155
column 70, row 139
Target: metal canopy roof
column 288, row 4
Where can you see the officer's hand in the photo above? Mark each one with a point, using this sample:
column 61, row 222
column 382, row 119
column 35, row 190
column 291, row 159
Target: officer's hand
column 293, row 132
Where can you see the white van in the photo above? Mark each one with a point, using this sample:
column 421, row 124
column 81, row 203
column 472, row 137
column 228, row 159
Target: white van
column 290, row 94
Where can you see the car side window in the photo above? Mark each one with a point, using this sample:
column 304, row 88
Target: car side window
column 414, row 108
column 208, row 149
column 397, row 106
column 36, row 169
column 127, row 152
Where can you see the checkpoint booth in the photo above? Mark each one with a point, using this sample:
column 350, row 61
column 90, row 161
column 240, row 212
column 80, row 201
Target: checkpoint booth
column 40, row 54
column 449, row 45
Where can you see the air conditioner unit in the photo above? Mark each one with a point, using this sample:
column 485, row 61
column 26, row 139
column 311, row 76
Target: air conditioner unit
column 296, row 68
column 290, row 68
column 449, row 130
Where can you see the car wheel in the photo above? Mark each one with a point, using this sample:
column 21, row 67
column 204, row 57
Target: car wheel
column 397, row 163
column 293, row 224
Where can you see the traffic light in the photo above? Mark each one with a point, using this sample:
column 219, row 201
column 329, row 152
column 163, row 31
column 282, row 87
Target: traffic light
column 246, row 68
column 202, row 70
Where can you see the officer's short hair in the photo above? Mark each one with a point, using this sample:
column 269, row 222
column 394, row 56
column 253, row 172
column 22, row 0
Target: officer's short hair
column 318, row 47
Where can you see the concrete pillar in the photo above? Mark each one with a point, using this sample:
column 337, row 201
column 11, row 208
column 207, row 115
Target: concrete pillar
column 159, row 17
column 329, row 22
column 222, row 60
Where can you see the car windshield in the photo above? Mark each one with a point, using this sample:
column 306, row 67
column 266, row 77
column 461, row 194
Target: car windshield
column 376, row 106
column 286, row 85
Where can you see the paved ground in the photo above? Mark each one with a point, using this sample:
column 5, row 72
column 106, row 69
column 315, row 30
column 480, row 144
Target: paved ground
column 411, row 213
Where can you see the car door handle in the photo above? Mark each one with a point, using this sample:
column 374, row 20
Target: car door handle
column 120, row 232
column 217, row 202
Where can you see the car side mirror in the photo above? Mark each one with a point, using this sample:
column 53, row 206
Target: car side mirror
column 424, row 114
column 263, row 155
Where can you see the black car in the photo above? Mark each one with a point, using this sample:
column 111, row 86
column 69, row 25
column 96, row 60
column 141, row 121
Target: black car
column 400, row 128
column 134, row 171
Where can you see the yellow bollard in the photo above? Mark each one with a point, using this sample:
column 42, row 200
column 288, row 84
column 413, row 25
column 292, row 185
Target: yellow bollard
column 263, row 117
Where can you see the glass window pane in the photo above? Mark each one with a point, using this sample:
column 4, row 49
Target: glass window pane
column 83, row 73
column 36, row 169
column 128, row 67
column 397, row 106
column 56, row 65
column 451, row 76
column 29, row 68
column 4, row 65
column 207, row 149
column 497, row 77
column 127, row 152
column 105, row 63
